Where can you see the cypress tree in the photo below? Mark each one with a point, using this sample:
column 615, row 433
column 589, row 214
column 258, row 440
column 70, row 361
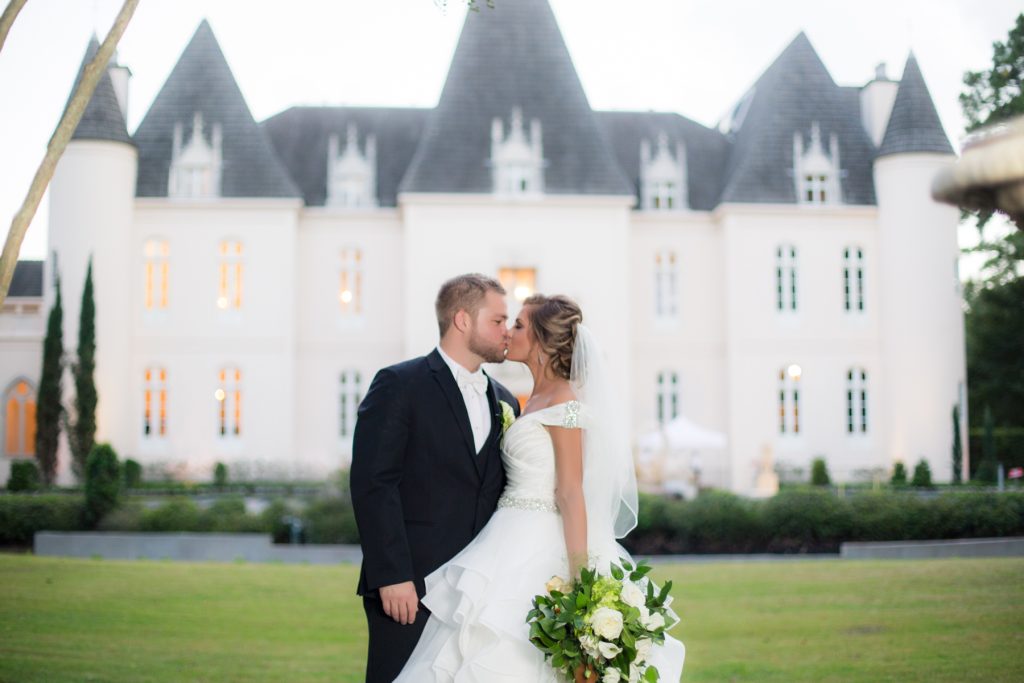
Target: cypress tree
column 989, row 466
column 958, row 452
column 83, row 431
column 48, row 406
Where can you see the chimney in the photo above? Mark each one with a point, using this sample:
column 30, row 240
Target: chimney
column 119, row 76
column 876, row 100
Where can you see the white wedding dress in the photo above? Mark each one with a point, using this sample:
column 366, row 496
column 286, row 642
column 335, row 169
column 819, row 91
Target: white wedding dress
column 477, row 631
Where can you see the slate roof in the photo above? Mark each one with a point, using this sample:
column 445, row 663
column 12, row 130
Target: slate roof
column 509, row 56
column 202, row 81
column 706, row 149
column 914, row 125
column 102, row 118
column 300, row 138
column 792, row 94
column 27, row 280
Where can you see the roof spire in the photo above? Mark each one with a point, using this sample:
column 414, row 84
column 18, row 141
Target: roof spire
column 914, row 124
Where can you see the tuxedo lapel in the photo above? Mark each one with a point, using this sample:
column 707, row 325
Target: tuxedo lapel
column 443, row 376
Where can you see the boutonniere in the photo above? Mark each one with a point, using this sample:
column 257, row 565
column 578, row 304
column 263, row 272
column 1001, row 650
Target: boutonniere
column 508, row 416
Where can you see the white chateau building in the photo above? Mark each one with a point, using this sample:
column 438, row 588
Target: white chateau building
column 785, row 280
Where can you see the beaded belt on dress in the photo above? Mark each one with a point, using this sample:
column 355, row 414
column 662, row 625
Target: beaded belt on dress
column 538, row 504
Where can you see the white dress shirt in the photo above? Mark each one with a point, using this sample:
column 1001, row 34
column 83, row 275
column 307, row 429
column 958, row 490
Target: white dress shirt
column 473, row 386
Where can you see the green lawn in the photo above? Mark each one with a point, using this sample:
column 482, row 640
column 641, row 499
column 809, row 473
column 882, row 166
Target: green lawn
column 104, row 620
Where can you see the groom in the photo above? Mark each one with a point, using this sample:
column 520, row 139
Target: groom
column 426, row 470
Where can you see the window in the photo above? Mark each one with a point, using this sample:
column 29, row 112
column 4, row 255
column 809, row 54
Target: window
column 20, row 419
column 195, row 165
column 856, row 401
column 156, row 254
column 662, row 175
column 785, row 277
column 789, row 399
column 229, row 403
column 351, row 396
column 229, row 293
column 351, row 174
column 517, row 157
column 350, row 282
column 521, row 283
column 853, row 279
column 154, row 403
column 668, row 396
column 816, row 170
column 666, row 285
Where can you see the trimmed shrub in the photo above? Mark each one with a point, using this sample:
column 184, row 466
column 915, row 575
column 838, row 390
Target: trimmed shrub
column 102, row 482
column 806, row 521
column 24, row 476
column 132, row 474
column 330, row 520
column 178, row 514
column 819, row 473
column 22, row 515
column 720, row 522
column 899, row 474
column 220, row 475
column 922, row 474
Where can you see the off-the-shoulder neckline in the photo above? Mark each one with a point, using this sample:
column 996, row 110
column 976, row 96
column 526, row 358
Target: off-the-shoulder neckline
column 553, row 405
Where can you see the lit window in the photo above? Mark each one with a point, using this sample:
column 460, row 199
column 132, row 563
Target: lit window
column 856, row 401
column 229, row 291
column 156, row 285
column 785, row 277
column 668, row 396
column 20, row 422
column 789, row 399
column 229, row 403
column 853, row 279
column 351, row 396
column 666, row 285
column 521, row 283
column 350, row 282
column 154, row 403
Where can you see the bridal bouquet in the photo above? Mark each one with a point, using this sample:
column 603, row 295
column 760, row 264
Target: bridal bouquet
column 602, row 628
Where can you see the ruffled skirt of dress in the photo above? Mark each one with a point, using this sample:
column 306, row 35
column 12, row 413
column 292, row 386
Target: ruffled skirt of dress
column 477, row 632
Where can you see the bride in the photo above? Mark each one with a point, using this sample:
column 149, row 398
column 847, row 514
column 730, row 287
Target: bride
column 571, row 491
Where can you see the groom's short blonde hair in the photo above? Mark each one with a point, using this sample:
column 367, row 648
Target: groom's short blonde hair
column 463, row 293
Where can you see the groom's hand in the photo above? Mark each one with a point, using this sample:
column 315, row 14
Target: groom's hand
column 400, row 601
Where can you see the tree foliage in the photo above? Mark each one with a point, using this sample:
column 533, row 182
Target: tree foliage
column 82, row 434
column 49, row 409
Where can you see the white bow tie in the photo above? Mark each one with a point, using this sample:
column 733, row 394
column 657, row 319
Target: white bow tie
column 477, row 381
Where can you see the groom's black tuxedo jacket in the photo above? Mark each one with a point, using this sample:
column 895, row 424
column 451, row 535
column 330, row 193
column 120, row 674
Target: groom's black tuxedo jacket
column 420, row 490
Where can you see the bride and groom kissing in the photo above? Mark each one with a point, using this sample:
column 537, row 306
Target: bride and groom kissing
column 466, row 508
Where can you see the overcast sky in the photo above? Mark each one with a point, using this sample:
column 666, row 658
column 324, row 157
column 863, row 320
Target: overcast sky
column 694, row 57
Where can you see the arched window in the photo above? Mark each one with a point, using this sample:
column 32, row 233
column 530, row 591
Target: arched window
column 229, row 403
column 351, row 395
column 785, row 277
column 789, row 399
column 229, row 292
column 668, row 396
column 154, row 403
column 20, row 419
column 856, row 401
column 666, row 285
column 853, row 279
column 157, row 271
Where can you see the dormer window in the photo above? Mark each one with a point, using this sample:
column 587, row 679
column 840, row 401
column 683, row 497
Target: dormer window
column 196, row 165
column 816, row 173
column 662, row 176
column 352, row 174
column 517, row 159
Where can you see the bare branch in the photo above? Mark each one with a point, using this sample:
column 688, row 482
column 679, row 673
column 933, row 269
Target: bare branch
column 61, row 136
column 7, row 19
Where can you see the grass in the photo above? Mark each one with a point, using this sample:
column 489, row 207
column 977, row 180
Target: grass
column 823, row 621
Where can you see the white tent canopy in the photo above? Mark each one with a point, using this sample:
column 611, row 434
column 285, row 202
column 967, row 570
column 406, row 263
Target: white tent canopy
column 682, row 434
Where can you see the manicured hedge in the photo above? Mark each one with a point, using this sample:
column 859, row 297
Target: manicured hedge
column 22, row 515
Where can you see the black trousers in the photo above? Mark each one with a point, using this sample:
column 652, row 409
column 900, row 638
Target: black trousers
column 391, row 643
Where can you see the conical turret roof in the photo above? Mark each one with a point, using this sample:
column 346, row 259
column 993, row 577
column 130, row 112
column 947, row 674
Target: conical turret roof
column 202, row 82
column 914, row 124
column 103, row 118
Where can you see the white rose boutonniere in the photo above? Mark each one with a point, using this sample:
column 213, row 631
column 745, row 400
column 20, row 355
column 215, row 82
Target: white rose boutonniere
column 508, row 416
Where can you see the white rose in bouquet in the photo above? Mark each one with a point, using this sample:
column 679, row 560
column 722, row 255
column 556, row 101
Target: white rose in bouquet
column 653, row 622
column 611, row 676
column 557, row 583
column 608, row 650
column 643, row 649
column 589, row 645
column 607, row 623
column 632, row 595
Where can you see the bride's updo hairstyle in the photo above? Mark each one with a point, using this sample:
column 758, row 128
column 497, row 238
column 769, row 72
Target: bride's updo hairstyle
column 553, row 320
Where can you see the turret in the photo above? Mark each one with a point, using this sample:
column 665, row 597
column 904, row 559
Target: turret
column 923, row 363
